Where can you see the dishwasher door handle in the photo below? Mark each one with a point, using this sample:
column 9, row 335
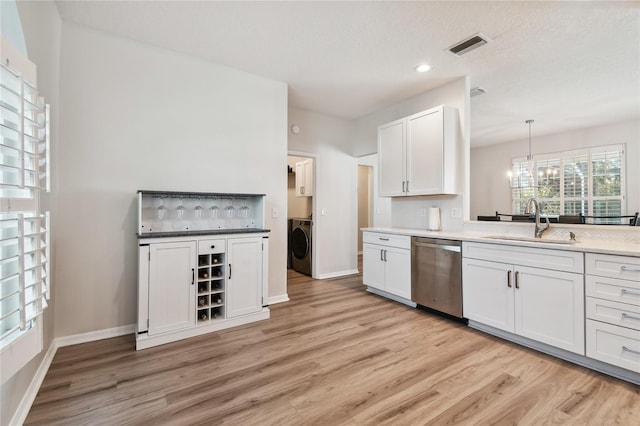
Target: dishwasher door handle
column 438, row 246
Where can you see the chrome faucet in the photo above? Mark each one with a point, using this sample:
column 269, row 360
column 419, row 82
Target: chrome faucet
column 540, row 228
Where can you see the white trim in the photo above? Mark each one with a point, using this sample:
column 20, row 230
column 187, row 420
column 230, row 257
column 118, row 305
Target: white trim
column 30, row 394
column 91, row 336
column 338, row 274
column 279, row 299
column 399, row 299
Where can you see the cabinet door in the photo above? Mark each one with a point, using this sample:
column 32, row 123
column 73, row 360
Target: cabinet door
column 549, row 307
column 425, row 153
column 373, row 266
column 304, row 178
column 397, row 272
column 308, row 178
column 244, row 276
column 299, row 179
column 172, row 294
column 486, row 295
column 391, row 158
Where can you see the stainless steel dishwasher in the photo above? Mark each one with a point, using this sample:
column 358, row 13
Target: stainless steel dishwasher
column 436, row 274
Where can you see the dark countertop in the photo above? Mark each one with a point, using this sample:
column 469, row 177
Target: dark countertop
column 202, row 233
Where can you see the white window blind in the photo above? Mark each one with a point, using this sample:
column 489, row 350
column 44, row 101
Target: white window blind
column 589, row 181
column 24, row 230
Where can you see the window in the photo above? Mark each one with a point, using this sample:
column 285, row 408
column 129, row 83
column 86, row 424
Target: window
column 587, row 181
column 24, row 229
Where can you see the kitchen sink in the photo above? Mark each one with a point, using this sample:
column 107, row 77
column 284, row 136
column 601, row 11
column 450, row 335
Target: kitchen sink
column 530, row 239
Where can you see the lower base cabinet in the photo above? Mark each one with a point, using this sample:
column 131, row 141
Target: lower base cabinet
column 188, row 287
column 544, row 305
column 386, row 263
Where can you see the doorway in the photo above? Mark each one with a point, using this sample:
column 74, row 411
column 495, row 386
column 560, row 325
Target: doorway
column 365, row 201
column 300, row 192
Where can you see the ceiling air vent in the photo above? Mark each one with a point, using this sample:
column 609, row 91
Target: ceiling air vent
column 477, row 91
column 469, row 44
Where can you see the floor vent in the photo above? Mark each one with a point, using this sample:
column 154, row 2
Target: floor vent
column 469, row 44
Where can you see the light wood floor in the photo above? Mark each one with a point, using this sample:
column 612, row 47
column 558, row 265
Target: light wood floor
column 333, row 355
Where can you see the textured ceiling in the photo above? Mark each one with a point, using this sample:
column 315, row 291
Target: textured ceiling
column 567, row 65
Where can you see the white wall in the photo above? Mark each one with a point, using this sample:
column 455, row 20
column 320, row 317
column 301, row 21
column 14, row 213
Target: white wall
column 41, row 25
column 138, row 117
column 334, row 236
column 381, row 205
column 405, row 210
column 489, row 165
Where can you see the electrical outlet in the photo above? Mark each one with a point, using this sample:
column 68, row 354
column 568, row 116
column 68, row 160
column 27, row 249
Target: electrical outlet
column 323, row 212
column 275, row 212
column 456, row 212
column 422, row 212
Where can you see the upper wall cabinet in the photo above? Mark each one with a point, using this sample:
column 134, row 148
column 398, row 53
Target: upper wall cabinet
column 418, row 154
column 304, row 178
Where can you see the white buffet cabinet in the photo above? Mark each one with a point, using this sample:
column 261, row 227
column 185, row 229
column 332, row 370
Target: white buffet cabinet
column 196, row 282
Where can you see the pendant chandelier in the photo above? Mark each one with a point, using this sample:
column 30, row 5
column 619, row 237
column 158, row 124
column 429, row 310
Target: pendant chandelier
column 524, row 175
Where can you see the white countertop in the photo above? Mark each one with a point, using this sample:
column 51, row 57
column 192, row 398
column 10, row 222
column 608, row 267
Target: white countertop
column 603, row 246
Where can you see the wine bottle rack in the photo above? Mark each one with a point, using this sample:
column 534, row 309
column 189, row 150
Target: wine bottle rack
column 210, row 300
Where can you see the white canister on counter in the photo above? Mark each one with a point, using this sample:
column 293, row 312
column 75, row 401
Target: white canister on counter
column 434, row 219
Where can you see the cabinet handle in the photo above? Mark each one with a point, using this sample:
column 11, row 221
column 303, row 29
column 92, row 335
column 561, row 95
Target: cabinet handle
column 626, row 349
column 625, row 315
column 509, row 279
column 381, row 255
column 193, row 276
column 630, row 268
column 407, row 186
column 633, row 293
column 403, row 186
column 229, row 271
column 212, row 246
column 383, row 239
column 517, row 276
column 385, row 255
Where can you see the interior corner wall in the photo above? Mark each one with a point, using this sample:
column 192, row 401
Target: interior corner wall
column 490, row 164
column 405, row 211
column 138, row 117
column 335, row 192
column 41, row 26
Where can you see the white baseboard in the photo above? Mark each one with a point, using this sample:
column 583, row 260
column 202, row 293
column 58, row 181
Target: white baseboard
column 91, row 336
column 338, row 274
column 24, row 407
column 278, row 299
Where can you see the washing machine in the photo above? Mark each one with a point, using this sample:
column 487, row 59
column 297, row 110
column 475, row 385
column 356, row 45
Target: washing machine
column 301, row 245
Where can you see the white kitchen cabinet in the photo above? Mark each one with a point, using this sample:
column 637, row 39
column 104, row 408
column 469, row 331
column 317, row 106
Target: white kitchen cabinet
column 387, row 264
column 487, row 291
column 418, row 154
column 189, row 286
column 613, row 310
column 521, row 291
column 244, row 279
column 304, row 178
column 171, row 287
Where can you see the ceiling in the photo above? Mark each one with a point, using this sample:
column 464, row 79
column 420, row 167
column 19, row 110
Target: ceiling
column 567, row 65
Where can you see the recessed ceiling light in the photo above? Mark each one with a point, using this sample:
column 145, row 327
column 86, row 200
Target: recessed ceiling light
column 423, row 68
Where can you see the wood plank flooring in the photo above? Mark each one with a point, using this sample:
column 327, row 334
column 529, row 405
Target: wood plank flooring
column 333, row 355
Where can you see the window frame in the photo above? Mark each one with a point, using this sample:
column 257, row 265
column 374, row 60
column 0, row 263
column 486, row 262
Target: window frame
column 561, row 157
column 32, row 231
